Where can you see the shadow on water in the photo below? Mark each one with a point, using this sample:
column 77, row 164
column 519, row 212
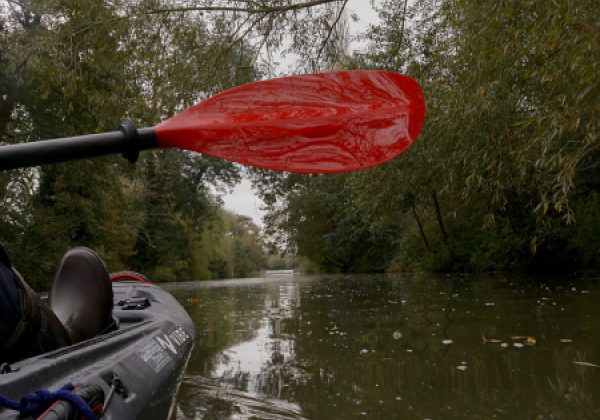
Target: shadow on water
column 381, row 347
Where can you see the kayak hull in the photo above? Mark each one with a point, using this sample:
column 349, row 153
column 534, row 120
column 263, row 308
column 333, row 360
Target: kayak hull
column 148, row 354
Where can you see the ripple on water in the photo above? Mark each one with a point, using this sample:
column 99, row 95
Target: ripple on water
column 216, row 400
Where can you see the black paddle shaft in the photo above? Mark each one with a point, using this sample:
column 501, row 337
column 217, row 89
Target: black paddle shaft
column 128, row 141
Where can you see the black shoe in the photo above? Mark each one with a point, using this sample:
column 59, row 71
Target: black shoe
column 81, row 295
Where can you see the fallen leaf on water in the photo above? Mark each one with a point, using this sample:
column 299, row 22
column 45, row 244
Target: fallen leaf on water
column 586, row 364
column 566, row 340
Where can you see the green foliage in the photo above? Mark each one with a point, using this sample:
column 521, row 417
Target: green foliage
column 319, row 221
column 297, row 263
column 504, row 175
column 246, row 248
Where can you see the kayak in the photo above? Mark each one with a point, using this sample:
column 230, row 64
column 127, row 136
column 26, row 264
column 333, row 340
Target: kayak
column 136, row 369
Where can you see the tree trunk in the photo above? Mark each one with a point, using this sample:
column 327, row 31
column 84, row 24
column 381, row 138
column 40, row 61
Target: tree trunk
column 438, row 214
column 414, row 209
column 7, row 109
column 11, row 99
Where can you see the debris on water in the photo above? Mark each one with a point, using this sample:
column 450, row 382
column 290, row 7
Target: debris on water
column 364, row 351
column 566, row 340
column 530, row 341
column 490, row 304
column 397, row 335
column 504, row 345
column 518, row 345
column 461, row 367
column 447, row 341
column 490, row 340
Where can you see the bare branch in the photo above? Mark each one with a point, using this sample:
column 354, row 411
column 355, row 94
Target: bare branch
column 396, row 49
column 326, row 40
column 272, row 9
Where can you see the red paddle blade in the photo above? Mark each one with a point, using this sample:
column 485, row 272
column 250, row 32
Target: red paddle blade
column 316, row 123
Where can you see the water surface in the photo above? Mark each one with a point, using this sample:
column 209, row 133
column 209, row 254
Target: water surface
column 401, row 347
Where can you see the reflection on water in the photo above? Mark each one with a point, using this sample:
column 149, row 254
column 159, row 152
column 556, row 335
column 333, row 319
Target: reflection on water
column 410, row 347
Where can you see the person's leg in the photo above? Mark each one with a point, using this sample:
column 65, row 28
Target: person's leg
column 37, row 330
column 9, row 299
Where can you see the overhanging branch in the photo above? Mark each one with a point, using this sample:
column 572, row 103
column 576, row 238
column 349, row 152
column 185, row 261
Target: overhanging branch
column 273, row 9
column 339, row 16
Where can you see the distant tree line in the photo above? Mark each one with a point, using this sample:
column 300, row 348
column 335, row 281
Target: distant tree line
column 506, row 172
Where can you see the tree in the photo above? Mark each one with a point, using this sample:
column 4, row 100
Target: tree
column 169, row 53
column 70, row 67
column 508, row 153
column 247, row 248
column 507, row 86
column 319, row 219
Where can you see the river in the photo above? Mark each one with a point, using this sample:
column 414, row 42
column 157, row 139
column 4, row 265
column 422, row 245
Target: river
column 392, row 347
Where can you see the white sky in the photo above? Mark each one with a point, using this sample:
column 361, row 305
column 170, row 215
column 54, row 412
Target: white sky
column 242, row 200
